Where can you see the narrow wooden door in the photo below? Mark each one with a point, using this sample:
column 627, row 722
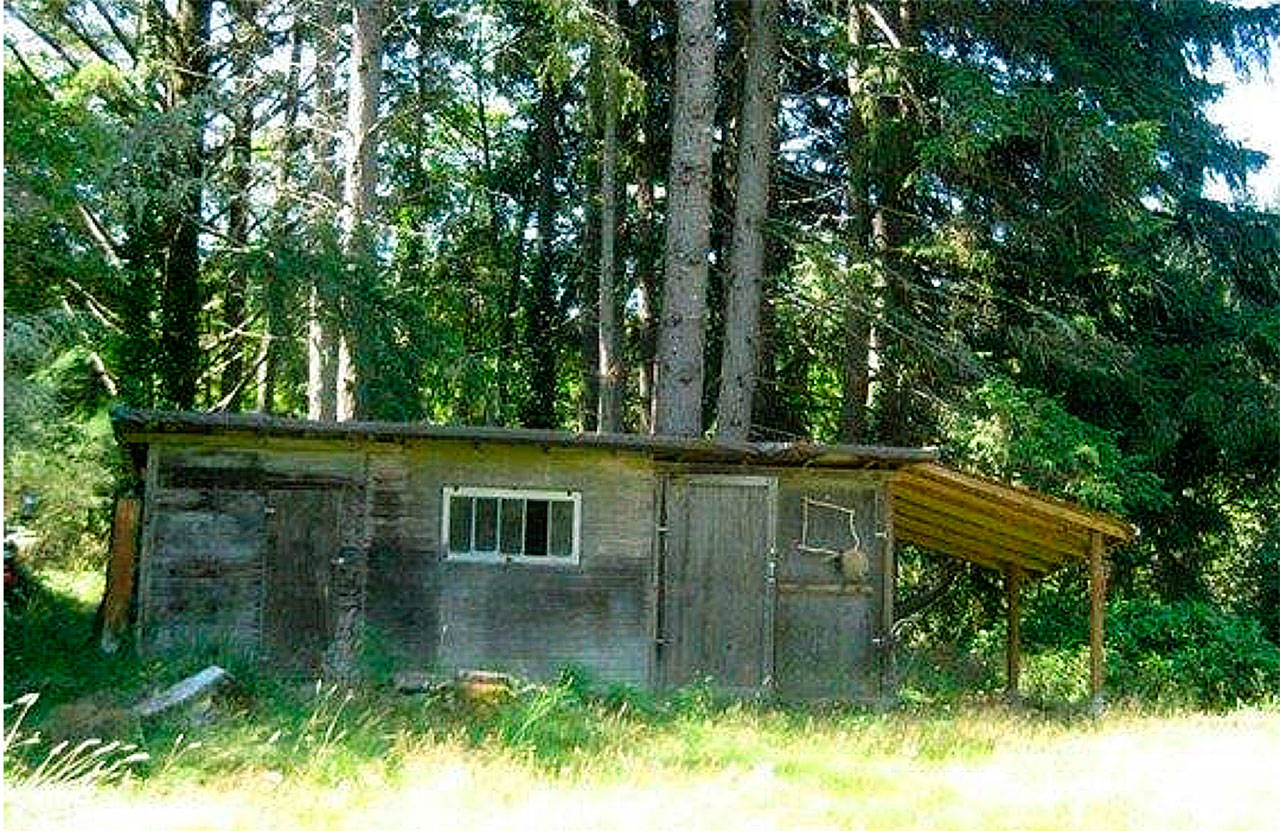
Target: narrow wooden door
column 717, row 585
column 303, row 541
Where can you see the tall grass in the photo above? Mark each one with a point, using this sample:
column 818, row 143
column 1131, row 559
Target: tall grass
column 574, row 726
column 90, row 761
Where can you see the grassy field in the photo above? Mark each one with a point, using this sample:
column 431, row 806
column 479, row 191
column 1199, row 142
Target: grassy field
column 576, row 756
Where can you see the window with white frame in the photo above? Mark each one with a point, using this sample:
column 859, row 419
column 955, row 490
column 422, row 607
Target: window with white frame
column 498, row 524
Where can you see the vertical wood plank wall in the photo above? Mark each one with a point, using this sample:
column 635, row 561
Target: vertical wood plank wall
column 824, row 625
column 716, row 614
column 212, row 512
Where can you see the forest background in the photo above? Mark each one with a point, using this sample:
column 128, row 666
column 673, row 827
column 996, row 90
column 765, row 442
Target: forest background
column 977, row 224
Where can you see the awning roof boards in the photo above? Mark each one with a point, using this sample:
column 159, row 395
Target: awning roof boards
column 935, row 507
column 993, row 524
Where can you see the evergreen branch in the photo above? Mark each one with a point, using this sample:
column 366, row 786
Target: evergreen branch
column 125, row 41
column 46, row 38
column 26, row 67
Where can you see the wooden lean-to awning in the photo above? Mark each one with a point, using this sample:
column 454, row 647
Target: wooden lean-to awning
column 994, row 525
column 1018, row 532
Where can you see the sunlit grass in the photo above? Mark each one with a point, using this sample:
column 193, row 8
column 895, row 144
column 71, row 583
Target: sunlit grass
column 736, row 770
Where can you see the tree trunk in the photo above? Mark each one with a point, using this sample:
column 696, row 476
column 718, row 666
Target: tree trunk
column 358, row 187
column 180, row 299
column 747, row 253
column 645, row 239
column 732, row 22
column 540, row 321
column 610, row 355
column 502, row 376
column 241, row 176
column 888, row 235
column 276, row 310
column 647, row 275
column 322, row 344
column 682, row 329
column 855, row 378
column 589, row 275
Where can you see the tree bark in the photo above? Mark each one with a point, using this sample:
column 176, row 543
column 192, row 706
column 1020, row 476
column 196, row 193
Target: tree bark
column 322, row 345
column 747, row 250
column 180, row 298
column 855, row 377
column 358, row 187
column 589, row 275
column 888, row 234
column 610, row 367
column 540, row 320
column 241, row 176
column 682, row 330
column 646, row 244
column 502, row 377
column 277, row 313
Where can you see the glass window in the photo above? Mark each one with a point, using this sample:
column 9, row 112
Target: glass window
column 535, row 534
column 560, row 532
column 486, row 525
column 513, row 526
column 459, row 524
column 517, row 525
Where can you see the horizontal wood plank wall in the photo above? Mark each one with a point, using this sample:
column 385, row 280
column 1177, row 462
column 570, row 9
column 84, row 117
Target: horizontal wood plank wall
column 205, row 560
column 534, row 618
column 825, row 622
column 402, row 605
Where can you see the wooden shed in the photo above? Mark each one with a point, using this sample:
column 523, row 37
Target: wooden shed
column 647, row 560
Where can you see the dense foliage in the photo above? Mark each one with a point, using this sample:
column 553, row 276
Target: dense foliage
column 988, row 229
column 1190, row 652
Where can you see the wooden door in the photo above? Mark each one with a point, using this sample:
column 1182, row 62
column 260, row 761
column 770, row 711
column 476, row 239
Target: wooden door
column 717, row 582
column 303, row 543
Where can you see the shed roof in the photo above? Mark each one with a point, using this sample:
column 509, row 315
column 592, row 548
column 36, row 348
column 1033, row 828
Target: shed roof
column 995, row 524
column 140, row 426
column 961, row 515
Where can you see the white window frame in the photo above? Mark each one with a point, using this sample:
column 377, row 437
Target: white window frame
column 473, row 556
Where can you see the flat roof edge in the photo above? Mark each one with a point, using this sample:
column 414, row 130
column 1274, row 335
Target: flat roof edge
column 132, row 426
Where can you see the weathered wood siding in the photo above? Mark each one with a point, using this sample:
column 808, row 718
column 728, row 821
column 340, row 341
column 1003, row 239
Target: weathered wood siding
column 233, row 547
column 825, row 624
column 716, row 599
column 302, row 542
column 271, row 548
column 526, row 618
column 289, row 548
column 402, row 606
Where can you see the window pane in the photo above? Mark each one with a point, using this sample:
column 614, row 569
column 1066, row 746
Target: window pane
column 535, row 528
column 460, row 523
column 512, row 541
column 561, row 529
column 486, row 524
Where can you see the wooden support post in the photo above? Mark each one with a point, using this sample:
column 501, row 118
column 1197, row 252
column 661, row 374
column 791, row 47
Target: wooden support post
column 118, row 597
column 1097, row 598
column 1013, row 642
column 888, row 587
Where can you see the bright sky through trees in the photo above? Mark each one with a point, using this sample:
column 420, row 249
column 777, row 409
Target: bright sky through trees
column 1249, row 110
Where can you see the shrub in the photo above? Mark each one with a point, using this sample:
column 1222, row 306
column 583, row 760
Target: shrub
column 1056, row 675
column 1189, row 653
column 1259, row 592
